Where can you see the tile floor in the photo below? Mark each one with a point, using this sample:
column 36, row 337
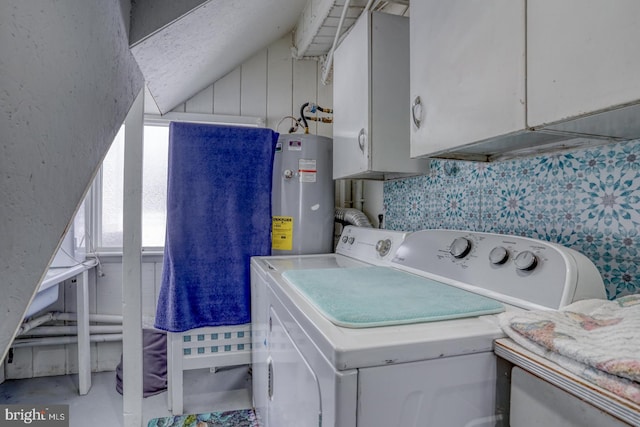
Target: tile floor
column 227, row 389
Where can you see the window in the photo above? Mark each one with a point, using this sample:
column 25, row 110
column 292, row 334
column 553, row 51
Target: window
column 154, row 190
column 154, row 185
column 107, row 193
column 110, row 208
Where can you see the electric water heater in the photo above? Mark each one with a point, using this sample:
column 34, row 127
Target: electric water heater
column 302, row 195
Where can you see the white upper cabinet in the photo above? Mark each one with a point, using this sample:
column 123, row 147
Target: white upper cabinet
column 471, row 60
column 467, row 72
column 583, row 60
column 370, row 91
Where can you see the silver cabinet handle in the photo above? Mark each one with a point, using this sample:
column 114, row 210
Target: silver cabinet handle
column 416, row 111
column 361, row 140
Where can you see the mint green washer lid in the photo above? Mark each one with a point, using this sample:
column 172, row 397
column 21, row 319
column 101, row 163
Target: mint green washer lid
column 363, row 297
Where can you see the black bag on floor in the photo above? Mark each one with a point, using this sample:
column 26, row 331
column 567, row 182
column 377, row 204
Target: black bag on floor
column 154, row 363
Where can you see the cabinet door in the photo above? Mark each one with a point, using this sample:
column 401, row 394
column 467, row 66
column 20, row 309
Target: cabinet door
column 582, row 57
column 351, row 102
column 389, row 128
column 468, row 69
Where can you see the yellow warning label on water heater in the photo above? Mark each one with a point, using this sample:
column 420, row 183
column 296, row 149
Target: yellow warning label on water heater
column 282, row 233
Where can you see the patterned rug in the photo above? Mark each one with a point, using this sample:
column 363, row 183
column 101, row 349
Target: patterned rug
column 240, row 418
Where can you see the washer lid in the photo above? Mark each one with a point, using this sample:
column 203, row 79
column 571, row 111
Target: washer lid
column 364, row 297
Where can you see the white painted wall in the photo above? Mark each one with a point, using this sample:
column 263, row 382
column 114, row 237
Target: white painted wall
column 373, row 205
column 67, row 80
column 271, row 85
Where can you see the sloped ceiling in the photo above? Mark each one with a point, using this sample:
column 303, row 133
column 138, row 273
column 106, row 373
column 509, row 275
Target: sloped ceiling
column 184, row 46
column 318, row 24
column 193, row 50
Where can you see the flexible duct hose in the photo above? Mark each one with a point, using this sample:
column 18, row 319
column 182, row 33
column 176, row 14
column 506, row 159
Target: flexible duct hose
column 353, row 217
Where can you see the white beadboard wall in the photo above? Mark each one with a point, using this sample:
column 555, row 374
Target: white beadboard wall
column 271, row 84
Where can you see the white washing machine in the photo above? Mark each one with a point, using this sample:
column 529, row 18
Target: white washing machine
column 397, row 329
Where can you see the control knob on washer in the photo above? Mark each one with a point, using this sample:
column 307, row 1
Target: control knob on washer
column 498, row 255
column 526, row 261
column 344, row 239
column 383, row 247
column 460, row 247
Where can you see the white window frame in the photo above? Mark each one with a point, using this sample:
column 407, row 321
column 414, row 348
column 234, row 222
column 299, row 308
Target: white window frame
column 94, row 198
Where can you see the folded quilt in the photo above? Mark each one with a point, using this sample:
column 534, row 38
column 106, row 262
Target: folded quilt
column 597, row 340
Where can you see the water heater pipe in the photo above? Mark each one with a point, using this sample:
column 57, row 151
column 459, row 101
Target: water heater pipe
column 358, row 194
column 344, row 193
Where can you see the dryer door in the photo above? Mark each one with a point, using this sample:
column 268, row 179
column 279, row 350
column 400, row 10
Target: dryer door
column 294, row 393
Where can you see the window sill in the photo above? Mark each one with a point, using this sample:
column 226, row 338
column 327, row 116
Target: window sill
column 150, row 255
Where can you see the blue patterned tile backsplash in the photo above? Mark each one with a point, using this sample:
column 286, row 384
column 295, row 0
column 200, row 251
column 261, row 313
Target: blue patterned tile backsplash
column 588, row 200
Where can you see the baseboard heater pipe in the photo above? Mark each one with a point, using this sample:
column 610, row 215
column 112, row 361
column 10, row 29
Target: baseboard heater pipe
column 35, row 322
column 101, row 318
column 71, row 317
column 73, row 330
column 30, row 342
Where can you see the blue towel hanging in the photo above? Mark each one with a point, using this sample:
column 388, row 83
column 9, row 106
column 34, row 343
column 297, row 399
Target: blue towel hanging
column 218, row 217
